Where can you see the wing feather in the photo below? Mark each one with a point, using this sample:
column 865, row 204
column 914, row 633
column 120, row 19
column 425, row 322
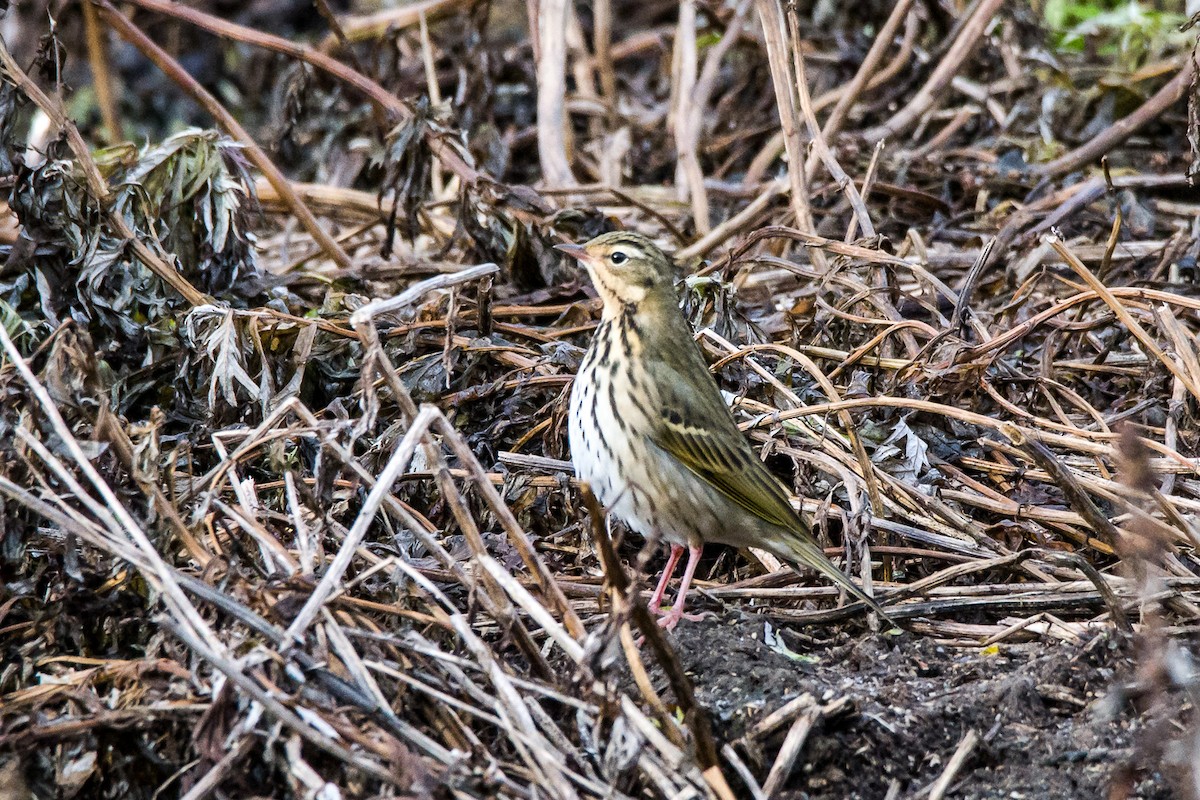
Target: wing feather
column 697, row 429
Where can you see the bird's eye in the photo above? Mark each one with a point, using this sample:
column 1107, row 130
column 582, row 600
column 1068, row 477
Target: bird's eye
column 618, row 258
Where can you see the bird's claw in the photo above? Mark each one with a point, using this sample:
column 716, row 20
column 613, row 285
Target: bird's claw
column 669, row 619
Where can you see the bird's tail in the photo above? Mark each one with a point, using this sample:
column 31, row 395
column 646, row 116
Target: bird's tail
column 804, row 550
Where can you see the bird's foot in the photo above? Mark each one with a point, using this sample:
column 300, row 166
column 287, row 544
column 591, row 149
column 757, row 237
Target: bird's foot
column 664, row 611
column 672, row 617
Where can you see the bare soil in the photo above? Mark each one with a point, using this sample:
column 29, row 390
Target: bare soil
column 1044, row 712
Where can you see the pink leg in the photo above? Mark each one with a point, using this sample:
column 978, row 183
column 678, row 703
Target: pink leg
column 672, row 617
column 669, row 570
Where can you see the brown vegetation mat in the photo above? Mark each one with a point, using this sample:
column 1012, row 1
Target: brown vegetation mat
column 286, row 504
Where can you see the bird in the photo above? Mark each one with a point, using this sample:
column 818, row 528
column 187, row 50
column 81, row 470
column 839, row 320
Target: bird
column 654, row 439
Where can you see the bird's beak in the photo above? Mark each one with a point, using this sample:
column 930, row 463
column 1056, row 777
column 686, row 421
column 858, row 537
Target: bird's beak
column 576, row 251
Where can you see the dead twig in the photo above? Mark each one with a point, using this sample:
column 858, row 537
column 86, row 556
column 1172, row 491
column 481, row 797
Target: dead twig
column 1125, row 127
column 933, row 90
column 783, row 78
column 551, row 93
column 961, row 753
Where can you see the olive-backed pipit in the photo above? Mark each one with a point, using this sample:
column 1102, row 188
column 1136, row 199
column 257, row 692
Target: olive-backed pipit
column 651, row 434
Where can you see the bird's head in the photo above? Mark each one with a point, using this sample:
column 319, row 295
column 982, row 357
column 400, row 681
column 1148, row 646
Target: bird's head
column 626, row 268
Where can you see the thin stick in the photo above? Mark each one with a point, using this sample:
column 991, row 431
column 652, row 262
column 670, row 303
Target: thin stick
column 516, row 534
column 793, row 743
column 684, row 117
column 880, row 276
column 730, row 227
column 954, row 765
column 774, row 27
column 820, row 146
column 851, row 91
column 771, row 150
column 360, row 27
column 101, row 77
column 552, row 92
column 743, row 772
column 419, row 289
column 435, row 98
column 1123, row 128
column 602, row 45
column 701, row 94
column 934, row 88
column 109, row 429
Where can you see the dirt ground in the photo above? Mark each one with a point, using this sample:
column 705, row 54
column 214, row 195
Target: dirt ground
column 1043, row 712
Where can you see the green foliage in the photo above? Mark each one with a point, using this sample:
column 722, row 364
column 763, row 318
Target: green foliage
column 1130, row 32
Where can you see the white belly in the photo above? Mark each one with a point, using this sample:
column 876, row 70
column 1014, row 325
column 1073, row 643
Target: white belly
column 595, row 461
column 630, row 476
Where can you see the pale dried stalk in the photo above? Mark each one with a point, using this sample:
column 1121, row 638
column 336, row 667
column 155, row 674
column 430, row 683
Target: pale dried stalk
column 774, row 27
column 732, row 226
column 552, row 93
column 397, row 465
column 437, row 183
column 602, row 45
column 880, row 277
column 359, row 27
column 774, row 146
column 934, row 88
column 820, row 145
column 1123, row 314
column 684, row 118
column 793, row 743
column 954, row 765
column 97, row 47
column 419, row 289
column 851, row 91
